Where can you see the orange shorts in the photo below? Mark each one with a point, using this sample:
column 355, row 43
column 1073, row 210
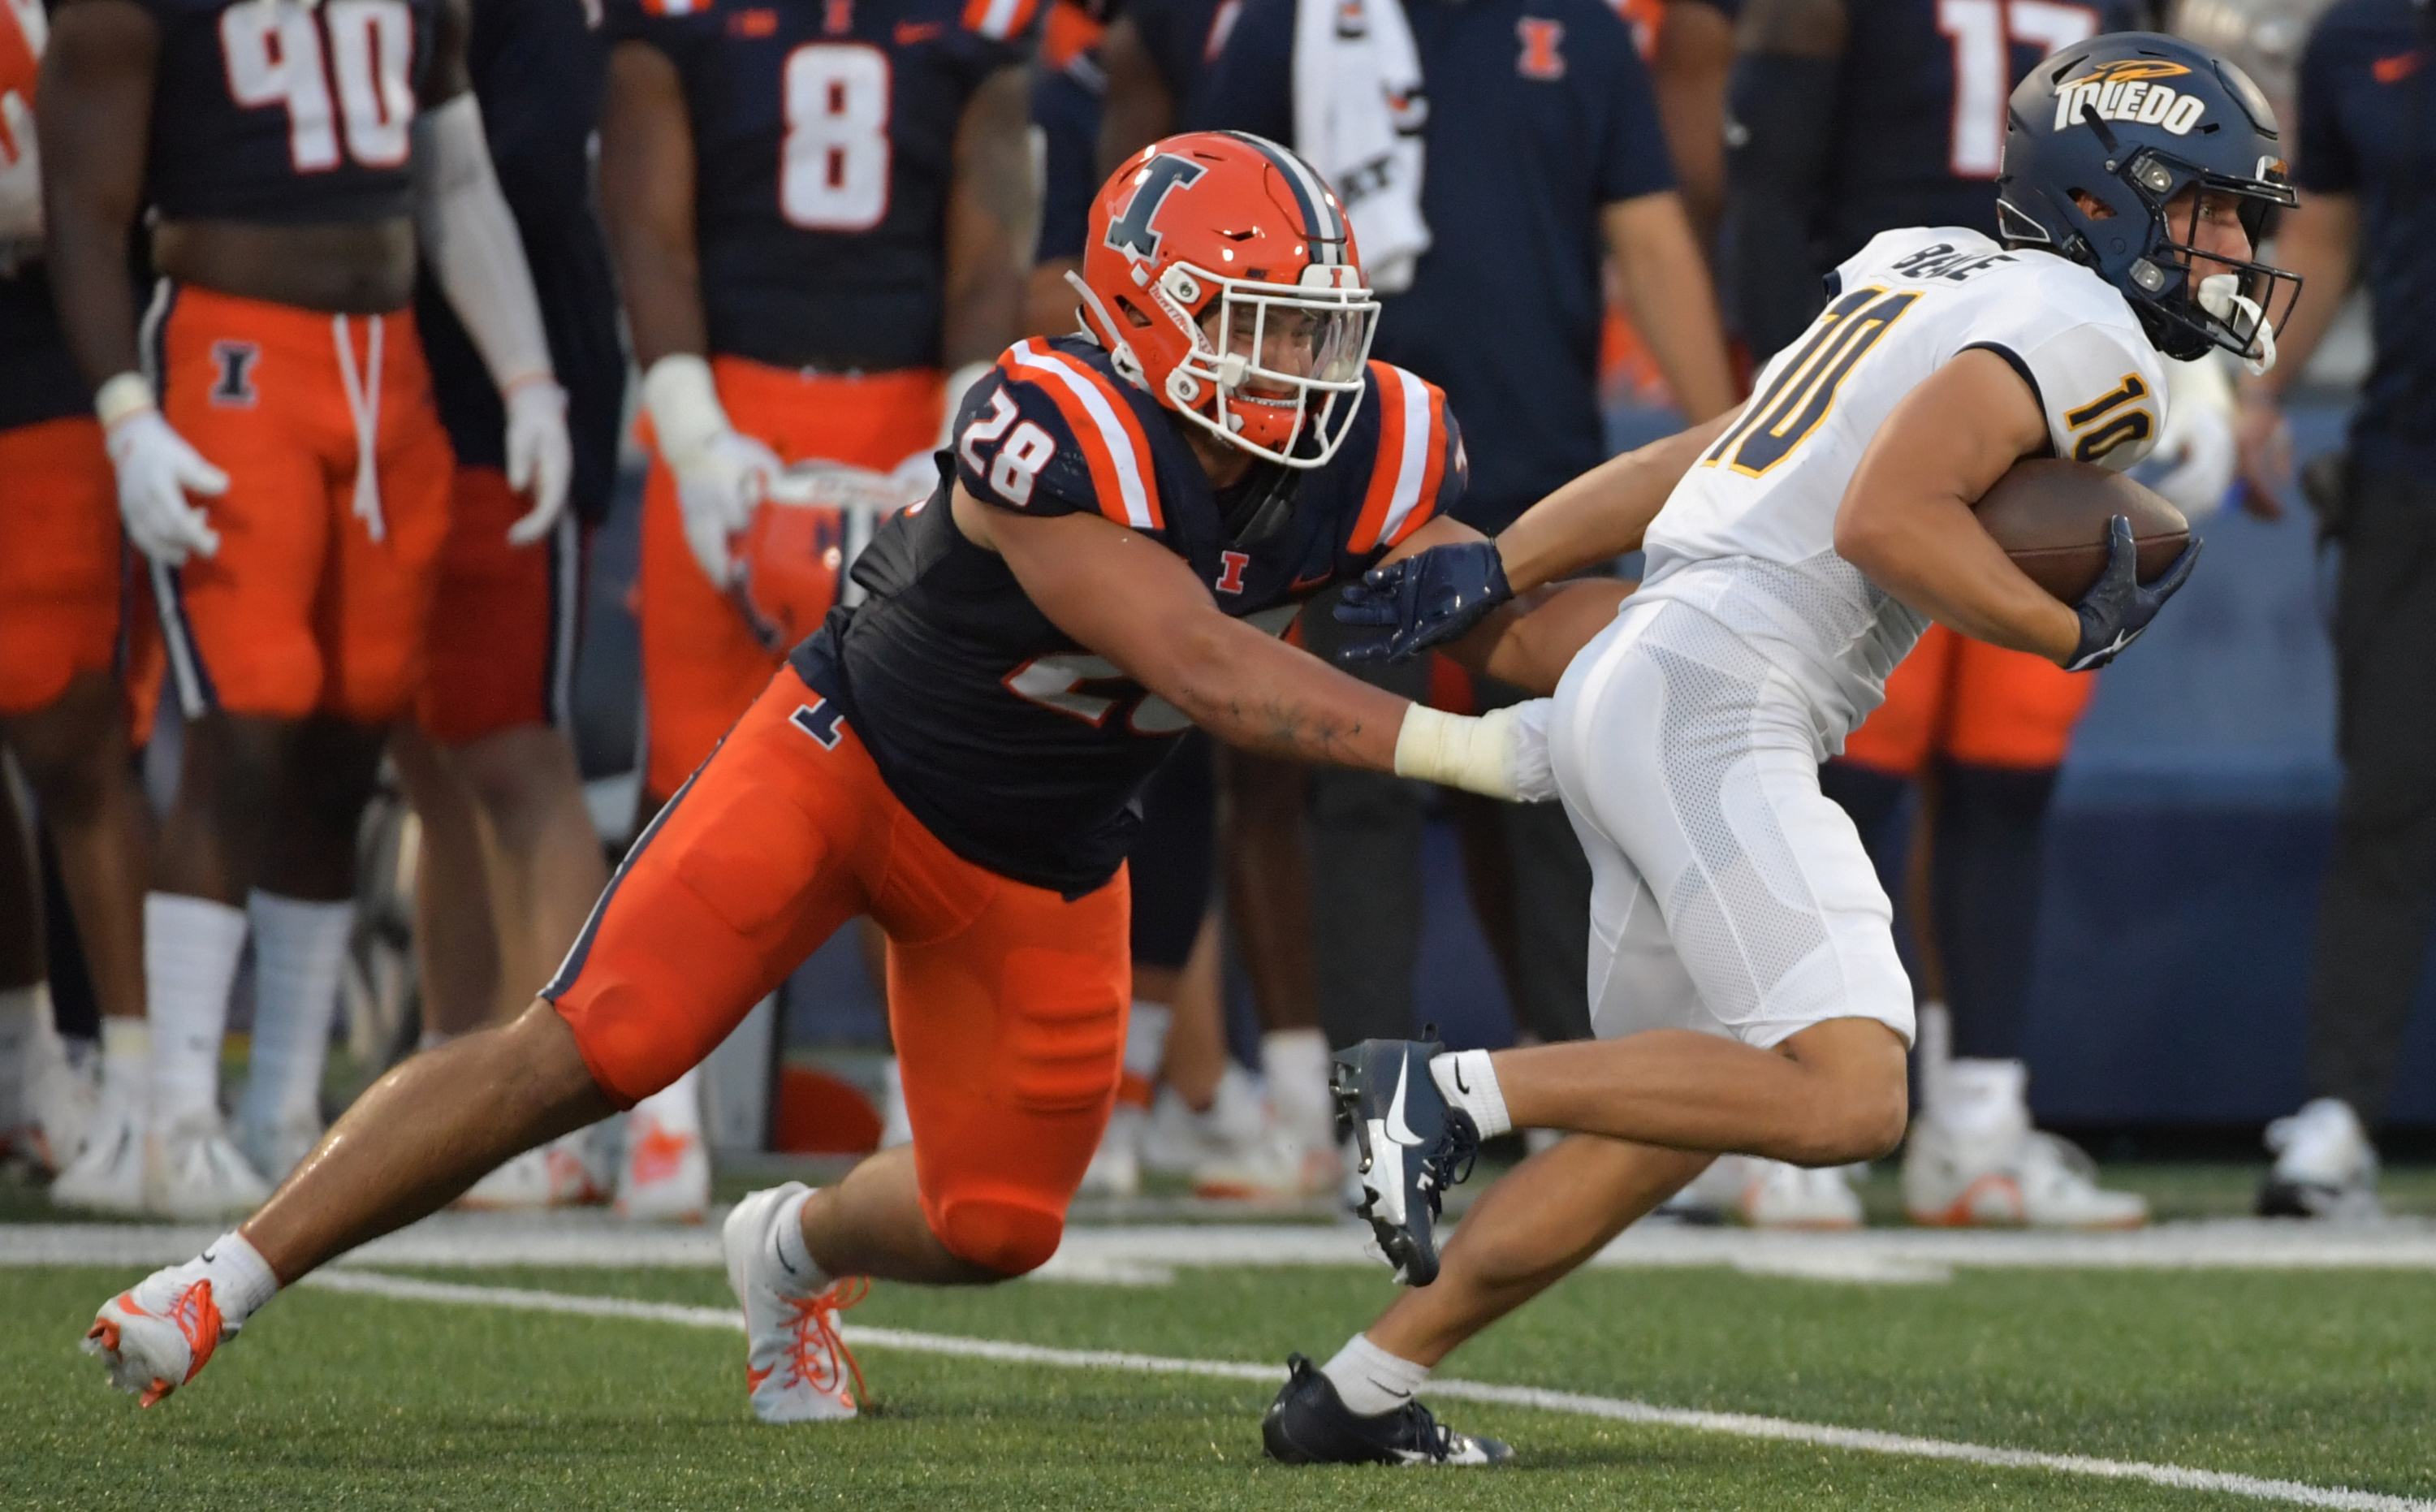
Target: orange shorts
column 63, row 576
column 303, row 609
column 702, row 663
column 501, row 651
column 1973, row 702
column 1008, row 1002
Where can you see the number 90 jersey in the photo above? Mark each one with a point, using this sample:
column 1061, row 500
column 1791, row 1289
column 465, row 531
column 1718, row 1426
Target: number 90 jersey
column 1748, row 535
column 1018, row 747
column 823, row 137
column 278, row 111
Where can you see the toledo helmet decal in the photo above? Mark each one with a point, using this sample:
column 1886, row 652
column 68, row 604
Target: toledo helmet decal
column 2130, row 89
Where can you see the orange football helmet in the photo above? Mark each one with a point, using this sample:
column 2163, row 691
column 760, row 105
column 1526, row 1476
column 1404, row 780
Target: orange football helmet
column 1220, row 274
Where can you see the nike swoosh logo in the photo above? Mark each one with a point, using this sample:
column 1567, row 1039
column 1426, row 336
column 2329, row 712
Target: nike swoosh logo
column 778, row 1252
column 1398, row 1129
column 1460, row 1085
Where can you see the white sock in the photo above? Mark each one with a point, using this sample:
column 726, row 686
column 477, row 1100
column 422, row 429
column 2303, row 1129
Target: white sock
column 799, row 1274
column 1981, row 1097
column 1296, row 1062
column 126, row 1065
column 191, row 946
column 1146, row 1029
column 1469, row 1081
column 240, row 1277
column 895, row 1124
column 23, row 1012
column 676, row 1107
column 1369, row 1380
column 300, row 952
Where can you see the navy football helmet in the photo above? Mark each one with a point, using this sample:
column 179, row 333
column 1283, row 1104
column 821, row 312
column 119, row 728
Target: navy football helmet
column 2127, row 121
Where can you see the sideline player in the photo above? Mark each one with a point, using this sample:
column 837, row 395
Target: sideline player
column 1130, row 521
column 287, row 154
column 1844, row 130
column 1743, row 974
column 65, row 716
column 510, row 863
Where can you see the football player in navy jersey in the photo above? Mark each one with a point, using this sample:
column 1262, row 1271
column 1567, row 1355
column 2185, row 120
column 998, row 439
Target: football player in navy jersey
column 65, row 620
column 278, row 457
column 1130, row 518
column 1843, row 130
column 819, row 209
column 489, row 749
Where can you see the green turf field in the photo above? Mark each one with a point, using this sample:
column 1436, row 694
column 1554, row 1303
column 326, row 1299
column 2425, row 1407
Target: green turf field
column 344, row 1400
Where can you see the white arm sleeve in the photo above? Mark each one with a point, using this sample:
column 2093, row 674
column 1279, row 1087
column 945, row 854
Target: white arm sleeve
column 471, row 238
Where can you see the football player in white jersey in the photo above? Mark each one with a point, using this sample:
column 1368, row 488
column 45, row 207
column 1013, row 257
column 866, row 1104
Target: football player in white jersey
column 1743, row 977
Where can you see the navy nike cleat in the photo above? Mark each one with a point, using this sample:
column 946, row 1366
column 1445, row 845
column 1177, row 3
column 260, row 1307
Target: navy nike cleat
column 1411, row 1145
column 1308, row 1424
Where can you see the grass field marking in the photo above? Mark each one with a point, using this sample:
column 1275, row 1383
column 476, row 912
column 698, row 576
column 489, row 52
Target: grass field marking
column 1740, row 1425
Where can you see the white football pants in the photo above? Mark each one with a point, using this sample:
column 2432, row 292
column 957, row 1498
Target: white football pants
column 1728, row 894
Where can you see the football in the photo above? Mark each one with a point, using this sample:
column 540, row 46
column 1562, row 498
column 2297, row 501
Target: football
column 2050, row 517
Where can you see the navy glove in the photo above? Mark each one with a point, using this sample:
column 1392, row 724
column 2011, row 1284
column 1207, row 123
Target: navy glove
column 1427, row 599
column 2118, row 609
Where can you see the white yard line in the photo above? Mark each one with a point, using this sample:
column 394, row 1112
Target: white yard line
column 1148, row 1254
column 1740, row 1425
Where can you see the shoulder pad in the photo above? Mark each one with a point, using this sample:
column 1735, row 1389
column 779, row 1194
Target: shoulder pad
column 1416, row 454
column 1049, row 432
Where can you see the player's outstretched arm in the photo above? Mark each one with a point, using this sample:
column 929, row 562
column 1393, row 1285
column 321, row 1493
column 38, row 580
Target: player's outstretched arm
column 1130, row 600
column 1906, row 520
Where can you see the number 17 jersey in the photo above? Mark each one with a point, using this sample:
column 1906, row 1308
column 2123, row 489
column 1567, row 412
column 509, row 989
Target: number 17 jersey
column 1748, row 535
column 824, row 144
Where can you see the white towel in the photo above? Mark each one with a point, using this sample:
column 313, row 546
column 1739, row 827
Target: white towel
column 1359, row 110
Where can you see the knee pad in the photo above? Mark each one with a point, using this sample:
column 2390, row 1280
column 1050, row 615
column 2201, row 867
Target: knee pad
column 1010, row 1238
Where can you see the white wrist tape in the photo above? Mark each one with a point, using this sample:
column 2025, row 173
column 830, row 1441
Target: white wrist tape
column 126, row 395
column 684, row 405
column 1457, row 749
column 471, row 238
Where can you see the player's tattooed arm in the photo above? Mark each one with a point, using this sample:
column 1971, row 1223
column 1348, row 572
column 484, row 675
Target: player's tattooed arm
column 647, row 190
column 993, row 220
column 1131, row 599
column 1905, row 518
column 94, row 111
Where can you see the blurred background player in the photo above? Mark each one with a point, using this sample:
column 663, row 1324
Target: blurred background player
column 510, row 864
column 1843, row 126
column 287, row 155
column 821, row 211
column 1489, row 153
column 2366, row 167
column 63, row 714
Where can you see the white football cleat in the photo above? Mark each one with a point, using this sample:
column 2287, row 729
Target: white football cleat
column 60, row 1099
column 1178, row 1141
column 192, row 1169
column 2009, row 1177
column 109, row 1176
column 796, row 1368
column 275, row 1149
column 1278, row 1168
column 1777, row 1195
column 2324, row 1166
column 155, row 1335
column 1116, row 1166
column 665, row 1177
column 556, row 1175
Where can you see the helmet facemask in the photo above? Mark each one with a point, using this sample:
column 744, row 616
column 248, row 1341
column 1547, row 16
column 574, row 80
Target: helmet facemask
column 1274, row 369
column 2235, row 305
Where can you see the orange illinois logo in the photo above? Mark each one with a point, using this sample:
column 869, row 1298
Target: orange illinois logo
column 1542, row 40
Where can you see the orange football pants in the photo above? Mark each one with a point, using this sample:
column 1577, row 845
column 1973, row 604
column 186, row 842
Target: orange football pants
column 68, row 592
column 703, row 663
column 309, row 605
column 1008, row 1002
column 1972, row 702
column 500, row 650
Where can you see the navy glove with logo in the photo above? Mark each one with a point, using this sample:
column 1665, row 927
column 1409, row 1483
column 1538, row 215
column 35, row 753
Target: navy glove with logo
column 1426, row 599
column 2117, row 609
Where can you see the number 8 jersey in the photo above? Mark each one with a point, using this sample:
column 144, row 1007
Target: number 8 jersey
column 272, row 111
column 824, row 138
